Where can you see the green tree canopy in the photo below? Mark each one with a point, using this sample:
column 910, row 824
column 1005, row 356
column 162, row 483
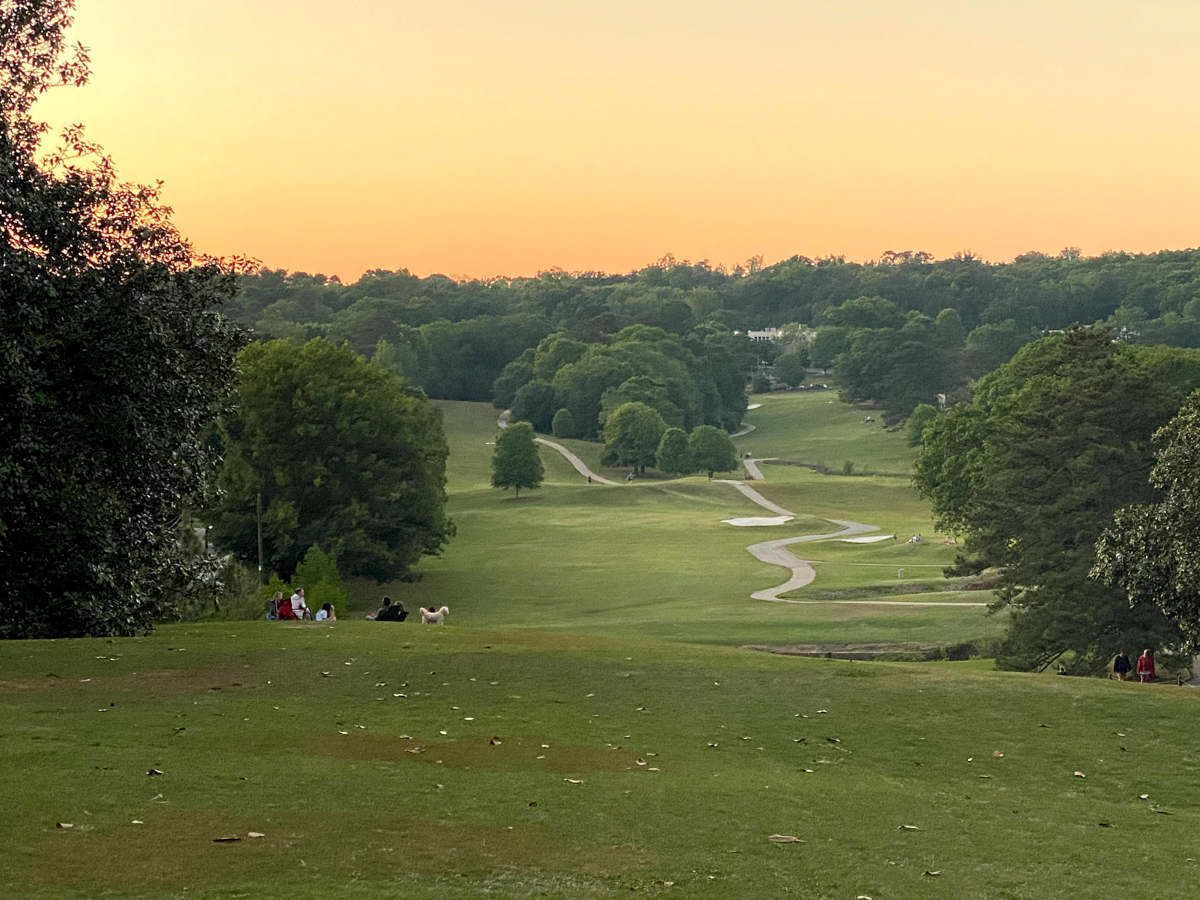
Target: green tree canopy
column 115, row 362
column 632, row 434
column 1032, row 470
column 1151, row 552
column 536, row 404
column 515, row 461
column 712, row 450
column 563, row 425
column 790, row 368
column 920, row 418
column 674, row 455
column 345, row 455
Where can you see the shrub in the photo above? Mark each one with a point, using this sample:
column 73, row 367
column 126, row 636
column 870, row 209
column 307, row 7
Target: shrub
column 563, row 424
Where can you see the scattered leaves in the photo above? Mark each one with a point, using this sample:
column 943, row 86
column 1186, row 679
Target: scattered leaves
column 908, row 828
column 573, row 780
column 784, row 839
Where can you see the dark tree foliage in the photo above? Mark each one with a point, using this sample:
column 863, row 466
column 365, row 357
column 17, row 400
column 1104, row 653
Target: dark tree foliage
column 632, row 435
column 975, row 315
column 115, row 360
column 674, row 457
column 711, row 450
column 536, row 404
column 1151, row 552
column 1032, row 470
column 345, row 455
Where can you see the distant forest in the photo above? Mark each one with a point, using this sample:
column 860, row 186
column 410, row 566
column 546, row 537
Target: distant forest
column 896, row 332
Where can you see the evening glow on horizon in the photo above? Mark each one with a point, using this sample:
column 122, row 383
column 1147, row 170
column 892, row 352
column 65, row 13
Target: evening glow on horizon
column 478, row 138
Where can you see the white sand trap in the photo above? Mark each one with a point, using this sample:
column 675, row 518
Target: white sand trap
column 873, row 539
column 753, row 521
column 753, row 406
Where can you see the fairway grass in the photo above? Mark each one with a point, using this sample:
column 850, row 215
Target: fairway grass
column 523, row 763
column 654, row 560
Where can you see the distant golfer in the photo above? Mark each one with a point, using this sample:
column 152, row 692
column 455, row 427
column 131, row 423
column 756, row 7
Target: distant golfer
column 1145, row 667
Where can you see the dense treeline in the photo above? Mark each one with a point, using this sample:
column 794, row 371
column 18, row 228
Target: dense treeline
column 898, row 331
column 1031, row 471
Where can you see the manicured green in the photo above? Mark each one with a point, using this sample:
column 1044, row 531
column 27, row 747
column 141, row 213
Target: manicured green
column 296, row 732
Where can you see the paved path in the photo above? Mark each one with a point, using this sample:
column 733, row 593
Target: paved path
column 579, row 464
column 745, row 429
column 776, row 552
column 752, row 468
column 760, row 499
column 574, row 460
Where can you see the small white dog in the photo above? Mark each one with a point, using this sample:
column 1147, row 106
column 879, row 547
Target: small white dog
column 434, row 617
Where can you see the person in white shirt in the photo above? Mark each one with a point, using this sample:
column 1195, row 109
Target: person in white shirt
column 326, row 613
column 299, row 607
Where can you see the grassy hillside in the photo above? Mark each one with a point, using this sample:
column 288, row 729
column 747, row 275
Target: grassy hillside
column 519, row 764
column 815, row 427
column 654, row 559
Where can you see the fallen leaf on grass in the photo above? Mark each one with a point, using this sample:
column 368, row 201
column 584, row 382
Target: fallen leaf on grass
column 641, row 762
column 799, row 740
column 908, row 828
column 326, row 674
column 1106, row 825
column 1080, row 775
column 785, row 839
column 64, row 824
column 997, row 754
column 154, row 772
column 985, row 776
column 927, row 872
column 1143, row 796
column 226, row 840
column 346, row 732
column 573, row 780
column 533, row 803
column 495, row 742
column 255, row 834
column 833, row 740
column 652, row 769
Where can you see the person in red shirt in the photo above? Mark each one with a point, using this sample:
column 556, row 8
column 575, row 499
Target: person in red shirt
column 1145, row 666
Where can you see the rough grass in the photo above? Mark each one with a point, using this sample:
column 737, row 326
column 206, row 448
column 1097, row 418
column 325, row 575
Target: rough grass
column 246, row 727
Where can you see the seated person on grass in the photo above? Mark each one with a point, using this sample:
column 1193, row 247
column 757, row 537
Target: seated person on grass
column 390, row 612
column 326, row 613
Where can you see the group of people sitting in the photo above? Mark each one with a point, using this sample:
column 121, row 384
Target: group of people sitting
column 296, row 609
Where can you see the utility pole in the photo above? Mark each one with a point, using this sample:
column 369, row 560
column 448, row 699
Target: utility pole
column 260, row 555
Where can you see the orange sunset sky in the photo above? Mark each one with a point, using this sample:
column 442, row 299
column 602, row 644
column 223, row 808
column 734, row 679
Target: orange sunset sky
column 501, row 137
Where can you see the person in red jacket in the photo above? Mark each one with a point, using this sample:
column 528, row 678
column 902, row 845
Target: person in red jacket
column 1145, row 666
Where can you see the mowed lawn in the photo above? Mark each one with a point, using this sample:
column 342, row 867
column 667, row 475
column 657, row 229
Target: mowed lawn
column 397, row 760
column 653, row 559
column 815, row 427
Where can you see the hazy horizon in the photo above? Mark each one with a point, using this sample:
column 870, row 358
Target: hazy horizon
column 482, row 139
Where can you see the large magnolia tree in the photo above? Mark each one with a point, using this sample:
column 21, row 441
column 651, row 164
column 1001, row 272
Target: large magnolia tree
column 114, row 363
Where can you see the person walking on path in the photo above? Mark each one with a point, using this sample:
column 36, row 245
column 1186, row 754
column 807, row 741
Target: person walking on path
column 1145, row 667
column 1121, row 666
